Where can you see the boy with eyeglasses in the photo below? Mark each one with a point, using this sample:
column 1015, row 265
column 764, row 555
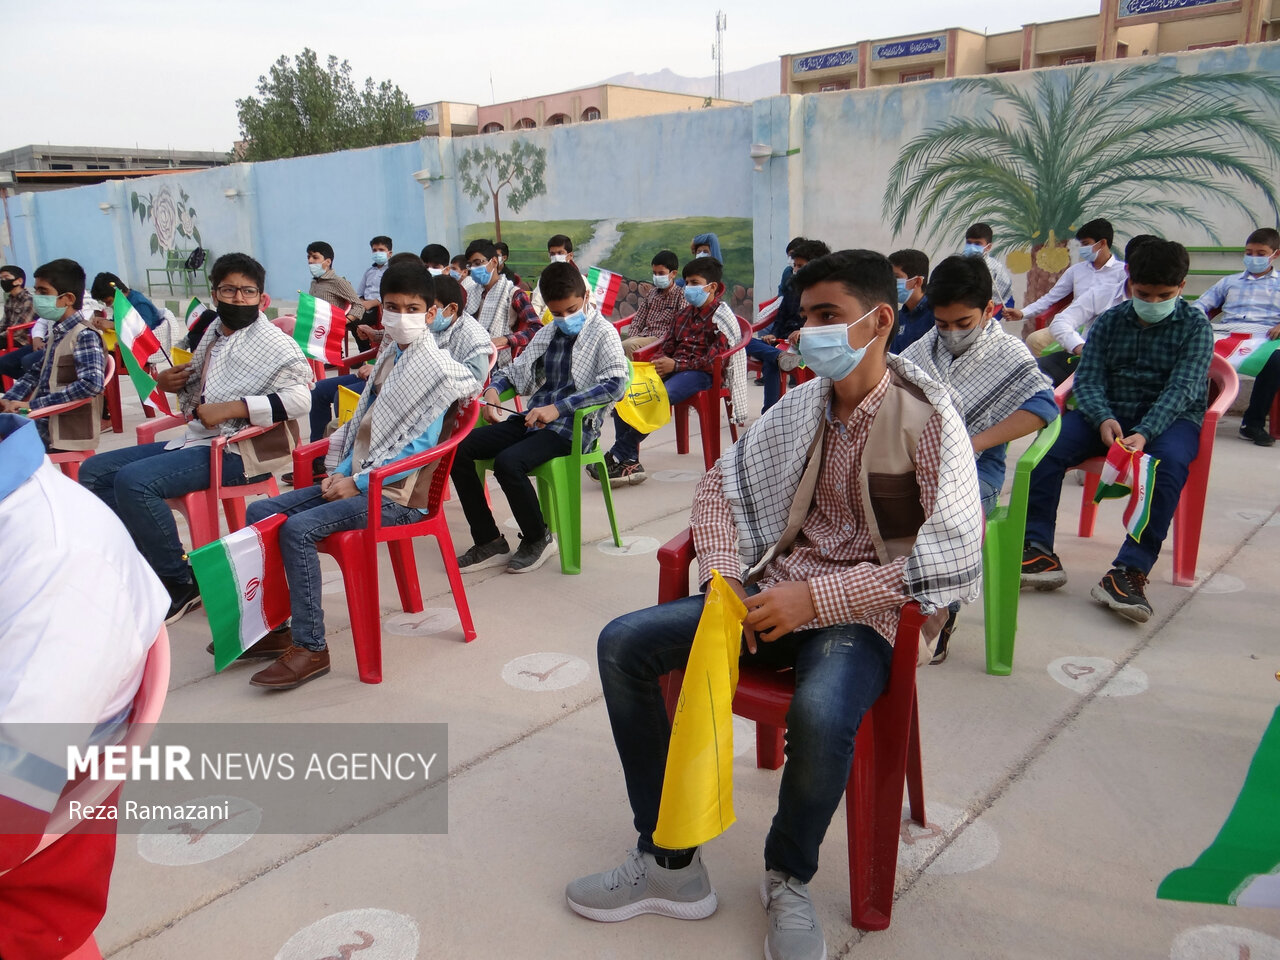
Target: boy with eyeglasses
column 505, row 310
column 245, row 372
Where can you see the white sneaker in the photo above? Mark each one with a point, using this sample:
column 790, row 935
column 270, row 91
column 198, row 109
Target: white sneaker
column 794, row 932
column 639, row 886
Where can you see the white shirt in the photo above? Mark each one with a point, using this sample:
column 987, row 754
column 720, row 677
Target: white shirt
column 1071, row 325
column 1077, row 280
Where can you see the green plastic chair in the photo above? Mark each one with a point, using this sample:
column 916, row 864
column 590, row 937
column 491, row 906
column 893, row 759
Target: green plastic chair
column 1002, row 557
column 560, row 491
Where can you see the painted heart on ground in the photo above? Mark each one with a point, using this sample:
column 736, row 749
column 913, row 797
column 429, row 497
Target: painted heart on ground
column 1075, row 670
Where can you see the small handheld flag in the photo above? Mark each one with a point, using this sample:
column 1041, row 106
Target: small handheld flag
column 194, row 309
column 1132, row 474
column 137, row 344
column 604, row 287
column 320, row 328
column 1247, row 354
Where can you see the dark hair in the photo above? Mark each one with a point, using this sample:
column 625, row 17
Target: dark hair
column 18, row 272
column 795, row 242
column 502, row 248
column 230, row 263
column 960, row 280
column 980, row 231
column 866, row 275
column 666, row 258
column 1138, row 241
column 449, row 290
column 405, row 257
column 1266, row 236
column 408, row 277
column 560, row 281
column 810, row 249
column 460, row 260
column 434, row 253
column 1096, row 230
column 708, row 268
column 914, row 263
column 560, row 240
column 104, row 285
column 320, row 247
column 65, row 276
column 1161, row 263
column 483, row 247
column 385, row 241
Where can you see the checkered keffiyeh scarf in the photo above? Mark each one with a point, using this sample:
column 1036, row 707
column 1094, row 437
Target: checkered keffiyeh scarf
column 253, row 362
column 423, row 383
column 464, row 339
column 987, row 382
column 734, row 372
column 762, row 471
column 597, row 356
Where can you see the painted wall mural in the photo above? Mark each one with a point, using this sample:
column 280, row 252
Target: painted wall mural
column 173, row 222
column 484, row 173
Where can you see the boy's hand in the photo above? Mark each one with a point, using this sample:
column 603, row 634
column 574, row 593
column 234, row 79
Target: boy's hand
column 794, row 339
column 10, row 406
column 1134, row 442
column 1011, row 314
column 748, row 634
column 368, row 332
column 777, row 611
column 339, row 488
column 212, row 414
column 37, row 343
column 500, row 343
column 1274, row 332
column 173, row 379
column 1110, row 431
column 365, row 371
column 491, row 411
column 664, row 366
column 770, row 339
column 540, row 415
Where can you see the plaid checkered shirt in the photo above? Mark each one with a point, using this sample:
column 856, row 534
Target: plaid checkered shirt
column 91, row 368
column 525, row 321
column 656, row 313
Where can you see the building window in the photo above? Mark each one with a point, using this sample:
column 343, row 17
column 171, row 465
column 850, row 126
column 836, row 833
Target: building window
column 912, row 76
column 833, row 85
column 1071, row 59
column 558, row 119
column 591, row 113
column 97, row 166
column 61, row 166
column 492, row 128
column 525, row 123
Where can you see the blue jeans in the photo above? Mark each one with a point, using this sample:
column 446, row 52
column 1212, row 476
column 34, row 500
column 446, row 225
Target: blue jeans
column 324, row 397
column 989, row 494
column 839, row 673
column 1077, row 441
column 768, row 355
column 17, row 362
column 680, row 386
column 135, row 483
column 311, row 519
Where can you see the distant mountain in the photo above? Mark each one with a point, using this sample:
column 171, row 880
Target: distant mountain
column 750, row 84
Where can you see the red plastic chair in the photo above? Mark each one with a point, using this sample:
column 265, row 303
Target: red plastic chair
column 706, row 402
column 357, row 550
column 69, row 462
column 10, row 346
column 1042, row 319
column 1188, row 519
column 886, row 750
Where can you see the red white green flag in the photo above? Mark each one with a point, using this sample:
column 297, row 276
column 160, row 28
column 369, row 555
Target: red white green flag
column 1132, row 474
column 604, row 288
column 194, row 309
column 320, row 328
column 137, row 344
column 243, row 587
column 1247, row 354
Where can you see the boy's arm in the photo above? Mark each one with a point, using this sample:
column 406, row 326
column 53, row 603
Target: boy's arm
column 715, row 535
column 91, row 373
column 1186, row 381
column 1060, row 289
column 347, row 292
column 1213, row 298
column 289, row 403
column 1065, row 327
column 610, row 390
column 146, row 309
column 1033, row 415
column 525, row 321
column 1090, row 388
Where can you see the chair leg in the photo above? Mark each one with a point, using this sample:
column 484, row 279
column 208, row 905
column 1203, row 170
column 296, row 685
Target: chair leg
column 915, row 766
column 1001, row 565
column 405, row 567
column 445, row 541
column 1188, row 520
column 234, row 509
column 680, row 413
column 1088, row 509
column 86, row 951
column 709, row 425
column 568, row 510
column 360, row 578
column 608, row 505
column 770, row 746
column 860, row 821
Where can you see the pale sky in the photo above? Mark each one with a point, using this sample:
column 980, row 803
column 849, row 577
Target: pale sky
column 164, row 74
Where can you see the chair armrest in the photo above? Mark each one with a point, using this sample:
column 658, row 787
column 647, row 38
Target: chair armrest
column 1062, row 392
column 1030, row 458
column 622, row 324
column 146, row 432
column 219, row 444
column 647, row 353
column 674, row 559
column 8, row 334
column 346, row 364
column 304, row 456
column 57, row 408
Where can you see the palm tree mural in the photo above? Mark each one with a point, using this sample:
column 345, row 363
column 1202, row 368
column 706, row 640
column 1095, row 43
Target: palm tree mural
column 1147, row 142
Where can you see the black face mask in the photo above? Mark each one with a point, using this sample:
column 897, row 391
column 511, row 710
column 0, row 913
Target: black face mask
column 237, row 316
column 8, row 285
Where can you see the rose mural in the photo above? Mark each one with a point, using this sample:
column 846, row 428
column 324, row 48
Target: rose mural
column 171, row 220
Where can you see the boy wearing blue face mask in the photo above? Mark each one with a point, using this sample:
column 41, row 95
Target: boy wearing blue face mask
column 654, row 315
column 1095, row 268
column 370, row 287
column 505, row 310
column 978, row 240
column 574, row 362
column 457, row 331
column 915, row 319
column 1249, row 302
column 1142, row 382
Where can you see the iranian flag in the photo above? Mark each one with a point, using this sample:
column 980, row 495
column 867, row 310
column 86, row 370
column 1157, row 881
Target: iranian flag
column 137, row 343
column 320, row 328
column 768, row 311
column 243, row 586
column 1247, row 354
column 1132, row 474
column 194, row 309
column 604, row 288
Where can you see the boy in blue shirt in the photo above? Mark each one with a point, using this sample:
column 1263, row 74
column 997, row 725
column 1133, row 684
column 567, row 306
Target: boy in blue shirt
column 915, row 318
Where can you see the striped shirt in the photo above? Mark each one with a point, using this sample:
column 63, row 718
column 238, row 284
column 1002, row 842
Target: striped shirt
column 1249, row 304
column 834, row 552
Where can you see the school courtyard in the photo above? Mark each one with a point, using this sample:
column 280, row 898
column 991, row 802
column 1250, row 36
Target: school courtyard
column 1057, row 797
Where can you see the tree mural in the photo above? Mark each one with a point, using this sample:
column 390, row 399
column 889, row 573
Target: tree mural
column 1132, row 146
column 484, row 173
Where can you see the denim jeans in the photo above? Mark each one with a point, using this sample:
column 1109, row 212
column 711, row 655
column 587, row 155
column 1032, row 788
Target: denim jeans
column 324, row 397
column 135, row 483
column 17, row 362
column 680, row 386
column 311, row 519
column 1265, row 387
column 768, row 355
column 1077, row 441
column 839, row 673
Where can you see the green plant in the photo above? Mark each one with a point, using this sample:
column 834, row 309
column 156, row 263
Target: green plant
column 484, row 173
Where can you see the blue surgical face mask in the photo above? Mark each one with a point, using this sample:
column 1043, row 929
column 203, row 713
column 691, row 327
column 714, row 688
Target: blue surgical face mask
column 379, row 257
column 456, row 274
column 481, row 274
column 973, row 249
column 696, row 296
column 1088, row 254
column 903, row 293
column 436, row 271
column 662, row 281
column 827, row 351
column 441, row 321
column 317, row 269
column 1257, row 264
column 1153, row 311
column 46, row 306
column 572, row 324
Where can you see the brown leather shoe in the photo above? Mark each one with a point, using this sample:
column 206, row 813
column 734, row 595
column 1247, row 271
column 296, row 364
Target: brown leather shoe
column 295, row 667
column 269, row 647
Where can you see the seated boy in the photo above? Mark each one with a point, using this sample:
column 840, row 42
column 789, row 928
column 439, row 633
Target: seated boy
column 18, row 311
column 1250, row 303
column 1095, row 268
column 104, row 289
column 72, row 367
column 978, row 240
column 504, row 254
column 505, row 310
column 457, row 331
column 575, row 361
column 653, row 316
column 706, row 245
column 436, row 258
column 245, row 372
column 994, row 382
column 915, row 319
column 328, row 285
column 559, row 250
column 414, row 386
column 683, row 360
column 380, row 252
column 1142, row 381
column 784, row 517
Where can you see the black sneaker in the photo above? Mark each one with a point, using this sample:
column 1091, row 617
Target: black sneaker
column 1258, row 435
column 1123, row 590
column 491, row 554
column 1041, row 569
column 183, row 597
column 531, row 554
column 944, row 638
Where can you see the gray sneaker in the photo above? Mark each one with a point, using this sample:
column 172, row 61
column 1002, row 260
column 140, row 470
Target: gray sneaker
column 794, row 933
column 531, row 554
column 491, row 554
column 639, row 886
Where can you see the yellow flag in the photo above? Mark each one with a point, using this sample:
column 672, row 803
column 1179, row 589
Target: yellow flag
column 347, row 400
column 178, row 355
column 646, row 405
column 109, row 340
column 697, row 790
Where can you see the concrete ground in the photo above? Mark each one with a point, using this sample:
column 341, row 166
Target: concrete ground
column 1058, row 797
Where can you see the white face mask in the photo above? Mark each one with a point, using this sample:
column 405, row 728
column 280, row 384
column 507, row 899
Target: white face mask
column 404, row 328
column 559, row 258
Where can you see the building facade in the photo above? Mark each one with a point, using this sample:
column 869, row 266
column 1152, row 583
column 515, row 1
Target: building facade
column 46, row 167
column 604, row 102
column 1122, row 28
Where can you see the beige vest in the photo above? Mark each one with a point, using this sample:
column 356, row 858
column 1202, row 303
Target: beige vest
column 76, row 429
column 268, row 452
